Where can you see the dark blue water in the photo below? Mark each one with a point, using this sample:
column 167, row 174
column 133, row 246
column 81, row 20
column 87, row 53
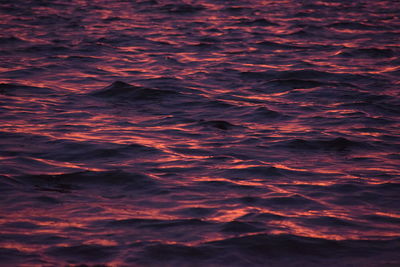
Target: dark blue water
column 199, row 133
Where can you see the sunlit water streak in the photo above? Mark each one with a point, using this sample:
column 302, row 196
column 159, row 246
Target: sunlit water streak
column 181, row 133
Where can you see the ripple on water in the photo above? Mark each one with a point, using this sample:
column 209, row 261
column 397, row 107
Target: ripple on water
column 176, row 133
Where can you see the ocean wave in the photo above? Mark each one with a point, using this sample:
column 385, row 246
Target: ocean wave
column 199, row 133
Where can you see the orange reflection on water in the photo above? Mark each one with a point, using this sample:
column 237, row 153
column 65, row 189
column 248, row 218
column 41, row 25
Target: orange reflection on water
column 178, row 178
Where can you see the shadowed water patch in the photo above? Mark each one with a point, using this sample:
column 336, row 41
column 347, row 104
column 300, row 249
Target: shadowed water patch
column 125, row 91
column 84, row 253
column 74, row 181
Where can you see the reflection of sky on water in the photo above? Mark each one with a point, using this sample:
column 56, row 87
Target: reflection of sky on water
column 241, row 118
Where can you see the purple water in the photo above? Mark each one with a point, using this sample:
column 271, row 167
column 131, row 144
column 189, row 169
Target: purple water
column 199, row 133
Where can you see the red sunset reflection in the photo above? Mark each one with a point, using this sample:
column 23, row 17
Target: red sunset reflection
column 177, row 133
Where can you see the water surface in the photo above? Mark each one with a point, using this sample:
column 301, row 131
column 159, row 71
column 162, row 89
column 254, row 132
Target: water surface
column 199, row 133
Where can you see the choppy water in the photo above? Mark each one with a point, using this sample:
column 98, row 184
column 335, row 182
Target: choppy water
column 199, row 133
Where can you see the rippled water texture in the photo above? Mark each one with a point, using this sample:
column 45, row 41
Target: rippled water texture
column 199, row 133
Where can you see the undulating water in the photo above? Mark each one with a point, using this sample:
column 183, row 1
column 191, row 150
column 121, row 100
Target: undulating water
column 199, row 133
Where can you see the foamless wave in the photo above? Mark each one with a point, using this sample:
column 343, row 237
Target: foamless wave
column 126, row 91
